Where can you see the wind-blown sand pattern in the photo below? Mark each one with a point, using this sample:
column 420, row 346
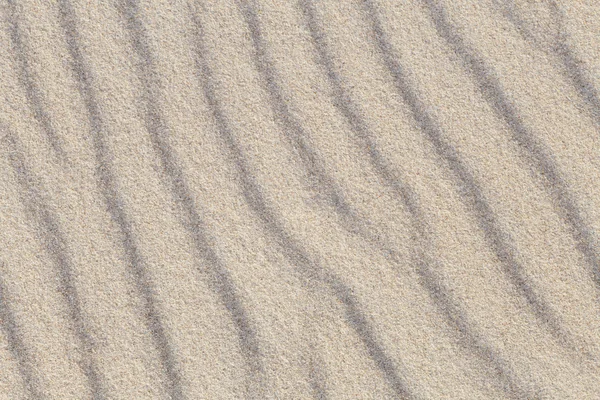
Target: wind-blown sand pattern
column 304, row 199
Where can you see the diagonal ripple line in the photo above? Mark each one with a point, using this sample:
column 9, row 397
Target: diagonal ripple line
column 436, row 289
column 221, row 280
column 290, row 248
column 467, row 186
column 533, row 151
column 16, row 344
column 107, row 183
column 26, row 77
column 55, row 245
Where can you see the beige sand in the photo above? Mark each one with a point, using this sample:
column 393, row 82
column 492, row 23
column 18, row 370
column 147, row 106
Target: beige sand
column 272, row 199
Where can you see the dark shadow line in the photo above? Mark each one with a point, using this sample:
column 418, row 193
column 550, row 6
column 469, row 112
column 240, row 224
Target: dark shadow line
column 571, row 66
column 16, row 345
column 533, row 150
column 520, row 25
column 55, row 245
column 579, row 79
column 290, row 248
column 292, row 128
column 351, row 219
column 317, row 377
column 27, row 81
column 114, row 204
column 467, row 187
column 435, row 287
column 221, row 281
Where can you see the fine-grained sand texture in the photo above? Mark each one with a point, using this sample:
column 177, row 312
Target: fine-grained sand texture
column 299, row 199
